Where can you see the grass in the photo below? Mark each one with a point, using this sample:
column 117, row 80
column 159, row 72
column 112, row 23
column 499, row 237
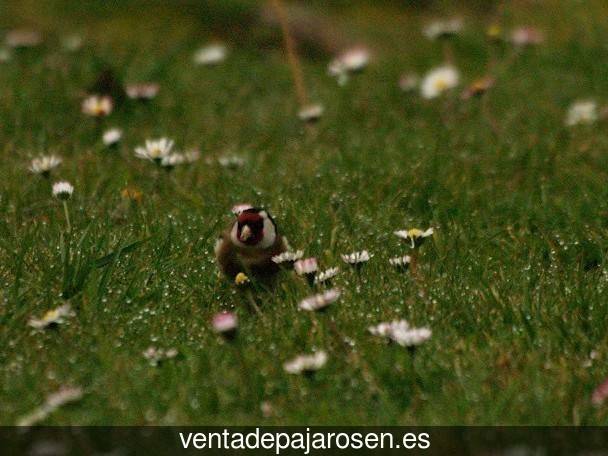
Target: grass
column 513, row 283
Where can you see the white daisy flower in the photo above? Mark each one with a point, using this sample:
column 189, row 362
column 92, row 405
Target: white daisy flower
column 306, row 266
column 327, row 275
column 412, row 337
column 63, row 190
column 211, row 54
column 155, row 149
column 53, row 401
column 156, row 355
column 385, row 329
column 439, row 80
column 192, row 155
column 172, row 160
column 231, row 161
column 306, row 364
column 582, row 112
column 414, row 235
column 23, row 38
column 356, row 258
column 288, row 257
column 225, row 323
column 402, row 333
column 111, row 137
column 44, row 164
column 409, row 82
column 319, row 301
column 526, row 36
column 142, row 91
column 350, row 61
column 311, row 112
column 402, row 262
column 443, row 28
column 97, row 105
column 52, row 318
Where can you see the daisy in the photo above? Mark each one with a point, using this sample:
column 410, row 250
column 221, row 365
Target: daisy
column 225, row 323
column 306, row 267
column 211, row 54
column 582, row 112
column 191, row 155
column 143, row 91
column 52, row 318
column 306, row 364
column 156, row 355
column 172, row 160
column 23, row 38
column 414, row 235
column 356, row 258
column 409, row 82
column 350, row 61
column 44, row 164
column 526, row 36
column 231, row 161
column 478, row 87
column 411, row 337
column 439, row 80
column 63, row 190
column 401, row 332
column 155, row 149
column 320, row 301
column 443, row 28
column 238, row 208
column 288, row 257
column 600, row 393
column 111, row 137
column 311, row 112
column 385, row 329
column 53, row 401
column 97, row 105
column 327, row 275
column 402, row 263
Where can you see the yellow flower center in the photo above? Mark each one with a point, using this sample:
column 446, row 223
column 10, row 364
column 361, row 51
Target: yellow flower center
column 414, row 233
column 441, row 84
column 51, row 315
column 241, row 278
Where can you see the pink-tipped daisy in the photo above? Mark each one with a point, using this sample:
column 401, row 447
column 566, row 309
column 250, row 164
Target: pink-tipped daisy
column 225, row 324
column 320, row 301
column 306, row 364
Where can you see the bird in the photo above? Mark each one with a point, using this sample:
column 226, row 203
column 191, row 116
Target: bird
column 249, row 243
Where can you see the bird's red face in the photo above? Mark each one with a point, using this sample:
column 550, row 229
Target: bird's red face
column 250, row 227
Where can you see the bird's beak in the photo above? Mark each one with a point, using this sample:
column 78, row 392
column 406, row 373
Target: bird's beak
column 245, row 233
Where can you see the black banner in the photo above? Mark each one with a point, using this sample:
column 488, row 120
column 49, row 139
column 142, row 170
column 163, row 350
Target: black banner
column 482, row 441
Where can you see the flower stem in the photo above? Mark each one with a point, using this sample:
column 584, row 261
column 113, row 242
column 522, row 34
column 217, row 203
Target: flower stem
column 67, row 216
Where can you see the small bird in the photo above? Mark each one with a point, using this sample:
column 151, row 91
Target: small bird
column 249, row 244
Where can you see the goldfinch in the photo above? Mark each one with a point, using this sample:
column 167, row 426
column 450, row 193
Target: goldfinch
column 249, row 244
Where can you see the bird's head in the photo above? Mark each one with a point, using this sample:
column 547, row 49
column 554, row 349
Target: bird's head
column 254, row 227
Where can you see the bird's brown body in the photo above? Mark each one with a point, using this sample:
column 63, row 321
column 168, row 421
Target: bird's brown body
column 251, row 254
column 233, row 259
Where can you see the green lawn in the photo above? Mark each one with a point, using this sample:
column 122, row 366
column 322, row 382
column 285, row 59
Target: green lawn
column 513, row 283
